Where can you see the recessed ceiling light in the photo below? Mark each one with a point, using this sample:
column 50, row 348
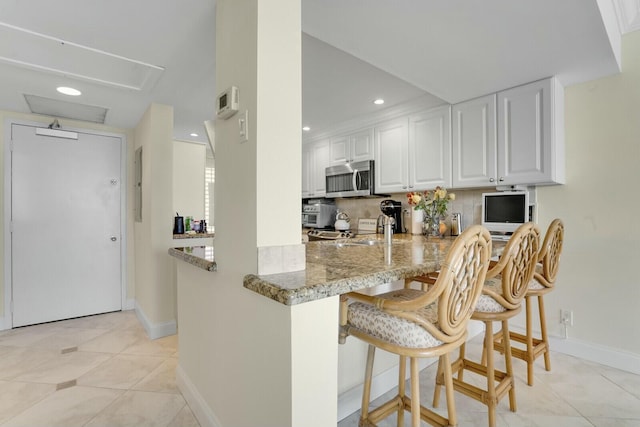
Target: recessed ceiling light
column 306, row 128
column 379, row 101
column 68, row 91
column 193, row 134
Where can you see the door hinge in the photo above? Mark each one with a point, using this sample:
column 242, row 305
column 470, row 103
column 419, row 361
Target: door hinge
column 11, row 227
column 11, row 146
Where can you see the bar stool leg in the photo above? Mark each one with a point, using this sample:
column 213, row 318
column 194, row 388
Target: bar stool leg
column 448, row 386
column 462, row 353
column 439, row 374
column 415, row 393
column 492, row 399
column 366, row 393
column 401, row 388
column 530, row 354
column 509, row 364
column 543, row 332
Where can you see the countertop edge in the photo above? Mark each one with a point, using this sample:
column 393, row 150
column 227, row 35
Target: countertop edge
column 262, row 286
column 192, row 259
column 193, row 236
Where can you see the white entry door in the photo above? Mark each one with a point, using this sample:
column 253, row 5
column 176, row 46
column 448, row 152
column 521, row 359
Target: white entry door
column 65, row 213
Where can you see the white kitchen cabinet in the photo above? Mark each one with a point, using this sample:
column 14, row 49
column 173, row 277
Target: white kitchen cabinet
column 414, row 153
column 391, row 149
column 474, row 143
column 430, row 149
column 306, row 170
column 352, row 147
column 514, row 137
column 531, row 134
column 315, row 159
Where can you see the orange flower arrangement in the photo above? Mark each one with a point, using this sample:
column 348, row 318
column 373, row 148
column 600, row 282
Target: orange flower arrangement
column 435, row 202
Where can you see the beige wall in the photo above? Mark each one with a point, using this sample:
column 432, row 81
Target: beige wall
column 599, row 204
column 130, row 260
column 598, row 277
column 153, row 236
column 188, row 178
column 253, row 361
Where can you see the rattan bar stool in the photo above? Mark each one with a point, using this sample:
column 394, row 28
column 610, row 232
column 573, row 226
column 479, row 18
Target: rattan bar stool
column 501, row 299
column 543, row 282
column 416, row 324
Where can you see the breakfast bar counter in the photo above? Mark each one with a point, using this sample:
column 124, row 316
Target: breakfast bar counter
column 335, row 267
column 200, row 256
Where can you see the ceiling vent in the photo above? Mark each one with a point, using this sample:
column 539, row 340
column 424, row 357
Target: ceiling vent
column 65, row 109
column 28, row 49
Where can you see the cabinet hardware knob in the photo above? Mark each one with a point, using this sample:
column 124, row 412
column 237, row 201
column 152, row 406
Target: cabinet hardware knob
column 491, row 179
column 114, row 238
column 501, row 178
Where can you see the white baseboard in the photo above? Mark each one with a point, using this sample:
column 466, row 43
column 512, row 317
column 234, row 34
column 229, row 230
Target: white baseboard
column 584, row 350
column 199, row 407
column 129, row 304
column 155, row 330
column 607, row 356
column 5, row 323
column 351, row 400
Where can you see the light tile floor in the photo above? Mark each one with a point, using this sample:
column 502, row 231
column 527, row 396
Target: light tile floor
column 575, row 393
column 93, row 371
column 104, row 371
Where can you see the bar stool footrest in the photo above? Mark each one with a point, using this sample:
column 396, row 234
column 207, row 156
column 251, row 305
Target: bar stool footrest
column 505, row 383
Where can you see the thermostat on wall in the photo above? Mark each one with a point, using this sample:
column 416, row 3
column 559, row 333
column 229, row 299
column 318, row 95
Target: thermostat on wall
column 227, row 103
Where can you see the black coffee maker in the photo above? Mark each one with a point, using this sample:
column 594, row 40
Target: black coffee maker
column 393, row 209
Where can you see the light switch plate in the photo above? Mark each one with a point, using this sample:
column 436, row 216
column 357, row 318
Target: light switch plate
column 243, row 126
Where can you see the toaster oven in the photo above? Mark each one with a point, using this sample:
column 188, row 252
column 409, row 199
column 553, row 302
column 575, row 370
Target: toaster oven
column 318, row 215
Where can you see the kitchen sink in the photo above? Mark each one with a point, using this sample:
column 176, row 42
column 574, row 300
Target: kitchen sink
column 368, row 242
column 356, row 242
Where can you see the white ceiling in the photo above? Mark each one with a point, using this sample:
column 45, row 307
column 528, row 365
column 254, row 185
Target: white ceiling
column 353, row 51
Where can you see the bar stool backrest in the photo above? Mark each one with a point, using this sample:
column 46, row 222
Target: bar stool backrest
column 464, row 270
column 550, row 252
column 520, row 257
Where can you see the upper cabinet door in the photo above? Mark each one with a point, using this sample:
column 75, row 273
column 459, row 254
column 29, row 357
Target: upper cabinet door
column 320, row 163
column 474, row 143
column 361, row 145
column 430, row 149
column 352, row 147
column 307, row 170
column 339, row 150
column 530, row 137
column 315, row 159
column 391, row 153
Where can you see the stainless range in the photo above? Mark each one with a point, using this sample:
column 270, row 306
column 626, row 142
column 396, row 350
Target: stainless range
column 318, row 213
column 315, row 235
column 365, row 226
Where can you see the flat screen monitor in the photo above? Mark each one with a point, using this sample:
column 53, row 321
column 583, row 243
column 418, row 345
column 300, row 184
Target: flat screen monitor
column 505, row 211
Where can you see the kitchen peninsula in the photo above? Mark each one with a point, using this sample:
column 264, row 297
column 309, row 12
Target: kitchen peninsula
column 341, row 266
column 300, row 306
column 337, row 267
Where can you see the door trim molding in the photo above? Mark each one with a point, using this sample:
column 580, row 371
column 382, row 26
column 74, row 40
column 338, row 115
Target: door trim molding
column 6, row 320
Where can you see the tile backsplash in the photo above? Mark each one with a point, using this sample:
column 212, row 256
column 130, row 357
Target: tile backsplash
column 467, row 202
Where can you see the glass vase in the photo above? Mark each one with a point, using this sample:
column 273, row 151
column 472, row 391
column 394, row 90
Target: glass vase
column 432, row 225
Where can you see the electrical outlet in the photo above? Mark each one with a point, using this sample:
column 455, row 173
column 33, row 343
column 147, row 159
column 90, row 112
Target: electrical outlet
column 566, row 317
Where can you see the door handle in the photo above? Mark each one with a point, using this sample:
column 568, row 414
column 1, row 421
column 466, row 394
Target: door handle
column 114, row 238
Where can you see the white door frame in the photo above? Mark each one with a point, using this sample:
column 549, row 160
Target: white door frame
column 6, row 321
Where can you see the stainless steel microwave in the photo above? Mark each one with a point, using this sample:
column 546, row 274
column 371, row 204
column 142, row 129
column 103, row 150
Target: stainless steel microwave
column 351, row 179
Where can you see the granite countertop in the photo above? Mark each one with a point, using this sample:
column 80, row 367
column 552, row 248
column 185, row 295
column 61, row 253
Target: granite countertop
column 335, row 267
column 200, row 256
column 340, row 266
column 193, row 235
